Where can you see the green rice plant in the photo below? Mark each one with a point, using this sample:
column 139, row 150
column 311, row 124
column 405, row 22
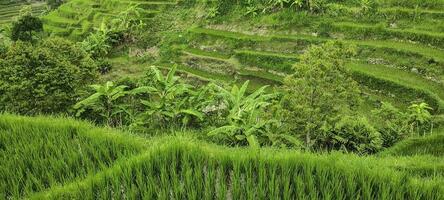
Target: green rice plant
column 179, row 167
column 248, row 174
column 404, row 84
column 39, row 153
column 428, row 145
column 268, row 61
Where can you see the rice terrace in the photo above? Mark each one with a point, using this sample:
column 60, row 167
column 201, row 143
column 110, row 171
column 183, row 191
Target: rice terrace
column 222, row 99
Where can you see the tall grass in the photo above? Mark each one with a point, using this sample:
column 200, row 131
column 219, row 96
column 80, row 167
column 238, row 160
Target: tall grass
column 48, row 158
column 184, row 169
column 429, row 145
column 39, row 153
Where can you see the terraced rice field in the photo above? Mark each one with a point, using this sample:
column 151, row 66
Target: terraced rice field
column 77, row 18
column 400, row 57
column 9, row 10
column 59, row 158
column 402, row 60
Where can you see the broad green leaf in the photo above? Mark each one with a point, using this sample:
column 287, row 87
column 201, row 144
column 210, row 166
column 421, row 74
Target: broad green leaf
column 223, row 130
column 252, row 141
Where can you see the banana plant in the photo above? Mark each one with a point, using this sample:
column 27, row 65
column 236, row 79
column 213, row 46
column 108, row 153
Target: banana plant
column 169, row 100
column 98, row 43
column 419, row 116
column 244, row 121
column 103, row 101
column 128, row 20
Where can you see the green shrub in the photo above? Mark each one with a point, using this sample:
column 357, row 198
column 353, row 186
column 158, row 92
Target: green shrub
column 353, row 134
column 392, row 124
column 319, row 91
column 43, row 78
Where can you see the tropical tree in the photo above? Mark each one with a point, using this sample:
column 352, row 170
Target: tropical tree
column 244, row 121
column 128, row 20
column 104, row 101
column 168, row 101
column 319, row 91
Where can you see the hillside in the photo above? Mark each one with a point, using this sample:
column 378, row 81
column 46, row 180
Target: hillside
column 194, row 168
column 10, row 9
column 222, row 99
column 400, row 49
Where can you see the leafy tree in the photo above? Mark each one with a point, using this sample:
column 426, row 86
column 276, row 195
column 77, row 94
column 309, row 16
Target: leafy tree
column 368, row 6
column 26, row 26
column 111, row 33
column 128, row 23
column 320, row 90
column 244, row 121
column 46, row 77
column 104, row 102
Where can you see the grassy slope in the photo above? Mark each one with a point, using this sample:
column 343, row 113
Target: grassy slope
column 428, row 145
column 190, row 169
column 39, row 153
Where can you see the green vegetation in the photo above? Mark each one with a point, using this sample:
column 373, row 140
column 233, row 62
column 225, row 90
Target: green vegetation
column 9, row 9
column 177, row 166
column 303, row 99
column 43, row 78
column 429, row 145
column 40, row 153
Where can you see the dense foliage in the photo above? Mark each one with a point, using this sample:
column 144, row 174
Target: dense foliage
column 46, row 77
column 95, row 163
column 320, row 91
column 25, row 27
column 254, row 99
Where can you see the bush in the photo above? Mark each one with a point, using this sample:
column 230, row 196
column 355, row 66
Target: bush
column 104, row 66
column 25, row 28
column 43, row 78
column 354, row 135
column 392, row 124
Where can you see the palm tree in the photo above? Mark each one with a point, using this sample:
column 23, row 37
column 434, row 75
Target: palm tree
column 103, row 101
